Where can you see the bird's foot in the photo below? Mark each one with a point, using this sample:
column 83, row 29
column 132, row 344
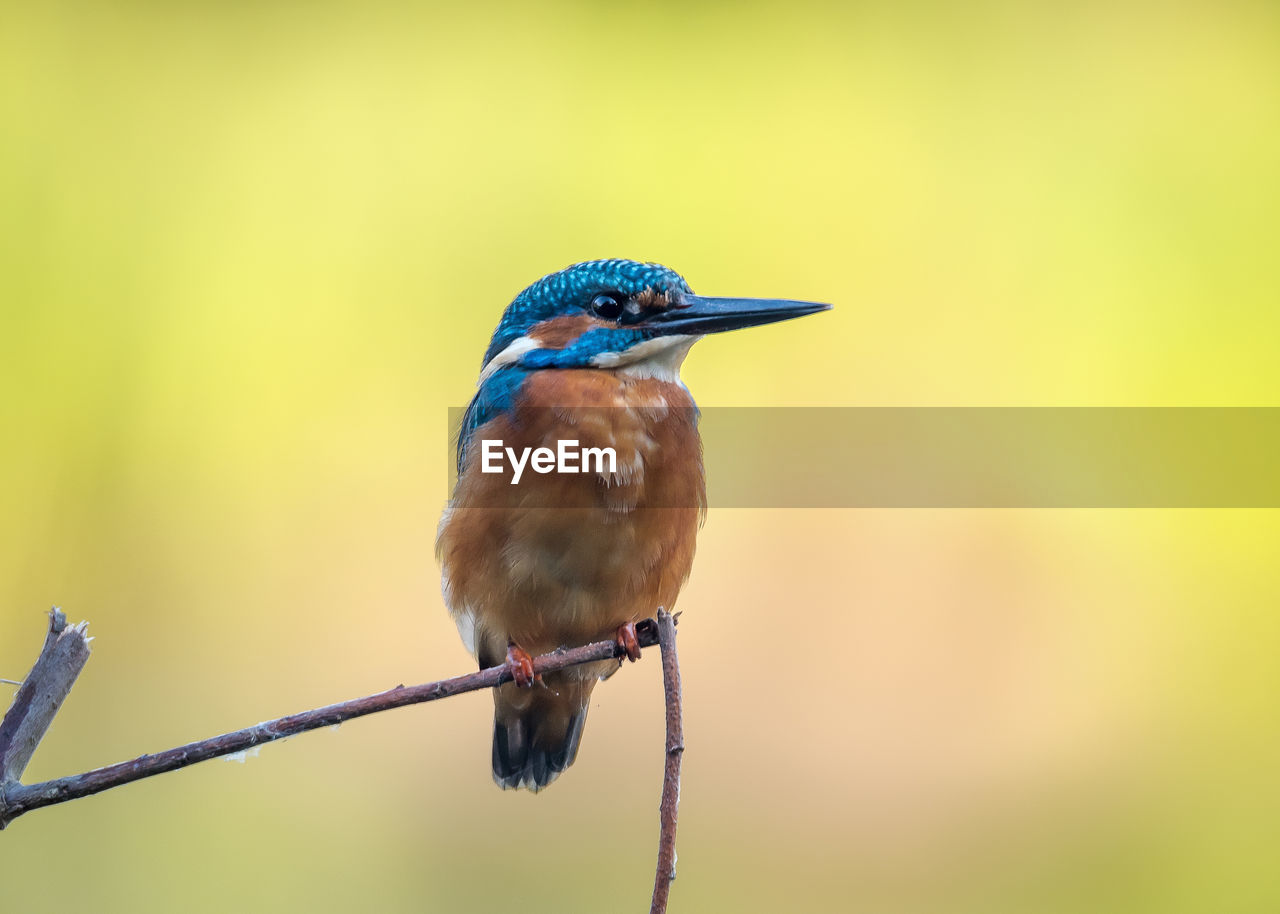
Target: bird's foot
column 627, row 640
column 521, row 666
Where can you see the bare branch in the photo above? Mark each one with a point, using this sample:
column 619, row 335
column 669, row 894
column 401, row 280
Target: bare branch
column 66, row 648
column 16, row 799
column 669, row 806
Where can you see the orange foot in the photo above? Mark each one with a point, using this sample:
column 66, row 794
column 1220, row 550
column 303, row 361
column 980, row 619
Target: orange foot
column 521, row 666
column 627, row 640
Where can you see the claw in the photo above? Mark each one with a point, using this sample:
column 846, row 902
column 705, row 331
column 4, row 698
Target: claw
column 627, row 640
column 521, row 666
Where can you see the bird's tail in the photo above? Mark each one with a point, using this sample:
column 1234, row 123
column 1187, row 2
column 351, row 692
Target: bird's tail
column 536, row 730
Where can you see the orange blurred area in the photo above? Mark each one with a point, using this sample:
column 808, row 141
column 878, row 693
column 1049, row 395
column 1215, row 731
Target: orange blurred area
column 250, row 256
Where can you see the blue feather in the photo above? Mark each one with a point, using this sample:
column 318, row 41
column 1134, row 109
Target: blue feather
column 569, row 291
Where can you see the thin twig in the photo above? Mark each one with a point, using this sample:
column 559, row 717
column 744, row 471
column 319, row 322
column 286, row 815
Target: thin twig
column 65, row 651
column 16, row 799
column 670, row 804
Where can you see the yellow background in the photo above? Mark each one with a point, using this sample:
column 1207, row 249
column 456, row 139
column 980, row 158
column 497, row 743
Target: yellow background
column 250, row 255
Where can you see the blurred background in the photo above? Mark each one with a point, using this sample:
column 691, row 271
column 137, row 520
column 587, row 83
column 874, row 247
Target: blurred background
column 250, row 255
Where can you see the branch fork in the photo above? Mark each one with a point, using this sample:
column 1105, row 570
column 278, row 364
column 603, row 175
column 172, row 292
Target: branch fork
column 66, row 650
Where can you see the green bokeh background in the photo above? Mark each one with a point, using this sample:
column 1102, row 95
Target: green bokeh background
column 250, row 255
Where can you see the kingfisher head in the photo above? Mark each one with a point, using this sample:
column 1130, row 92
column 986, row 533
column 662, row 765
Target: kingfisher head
column 619, row 315
column 638, row 319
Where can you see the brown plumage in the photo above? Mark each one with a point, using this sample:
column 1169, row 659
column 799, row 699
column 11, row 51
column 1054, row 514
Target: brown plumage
column 564, row 559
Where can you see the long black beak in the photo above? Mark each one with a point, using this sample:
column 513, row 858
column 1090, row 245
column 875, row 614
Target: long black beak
column 696, row 314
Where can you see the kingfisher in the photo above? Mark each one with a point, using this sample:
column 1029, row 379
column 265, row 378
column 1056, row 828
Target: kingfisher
column 556, row 557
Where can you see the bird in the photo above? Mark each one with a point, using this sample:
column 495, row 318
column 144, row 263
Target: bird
column 536, row 559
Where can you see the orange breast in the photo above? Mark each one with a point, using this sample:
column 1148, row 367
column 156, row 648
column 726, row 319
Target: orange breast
column 565, row 558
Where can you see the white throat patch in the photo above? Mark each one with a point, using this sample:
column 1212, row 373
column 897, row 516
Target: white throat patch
column 658, row 358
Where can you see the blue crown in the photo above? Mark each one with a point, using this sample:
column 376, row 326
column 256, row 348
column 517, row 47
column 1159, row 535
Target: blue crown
column 571, row 290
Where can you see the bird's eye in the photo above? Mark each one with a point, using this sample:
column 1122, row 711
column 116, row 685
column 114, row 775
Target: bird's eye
column 607, row 306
